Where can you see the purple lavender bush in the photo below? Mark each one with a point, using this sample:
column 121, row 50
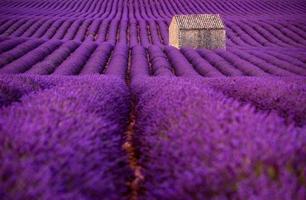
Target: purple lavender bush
column 286, row 96
column 63, row 140
column 159, row 62
column 98, row 60
column 196, row 143
column 118, row 63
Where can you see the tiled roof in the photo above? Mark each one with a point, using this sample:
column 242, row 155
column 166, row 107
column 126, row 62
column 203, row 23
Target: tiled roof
column 199, row 21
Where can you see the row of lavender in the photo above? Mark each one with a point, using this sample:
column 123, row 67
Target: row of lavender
column 242, row 33
column 231, row 138
column 72, row 58
column 149, row 9
column 61, row 138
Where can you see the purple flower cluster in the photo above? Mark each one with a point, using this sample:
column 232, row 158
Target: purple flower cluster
column 287, row 96
column 62, row 138
column 204, row 145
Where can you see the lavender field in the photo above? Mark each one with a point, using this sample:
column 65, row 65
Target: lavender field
column 94, row 103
